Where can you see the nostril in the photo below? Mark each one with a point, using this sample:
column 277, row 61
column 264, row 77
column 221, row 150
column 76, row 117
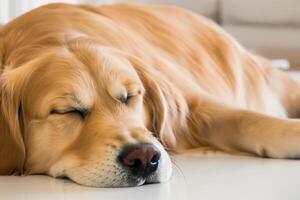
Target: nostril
column 134, row 158
column 136, row 163
column 132, row 162
column 153, row 155
column 155, row 159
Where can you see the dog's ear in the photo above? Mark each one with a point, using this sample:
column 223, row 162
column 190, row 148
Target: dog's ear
column 12, row 148
column 162, row 101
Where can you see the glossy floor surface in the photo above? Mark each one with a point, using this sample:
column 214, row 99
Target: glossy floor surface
column 196, row 177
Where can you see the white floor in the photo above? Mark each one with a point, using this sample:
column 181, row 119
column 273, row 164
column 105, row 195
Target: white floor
column 200, row 177
column 196, row 177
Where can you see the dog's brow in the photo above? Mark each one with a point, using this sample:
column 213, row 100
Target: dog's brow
column 80, row 105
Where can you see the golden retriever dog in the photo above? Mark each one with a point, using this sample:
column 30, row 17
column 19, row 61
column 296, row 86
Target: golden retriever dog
column 97, row 93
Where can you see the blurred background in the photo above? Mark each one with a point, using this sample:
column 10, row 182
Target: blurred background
column 268, row 27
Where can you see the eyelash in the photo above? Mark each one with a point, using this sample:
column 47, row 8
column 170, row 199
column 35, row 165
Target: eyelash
column 74, row 111
column 126, row 99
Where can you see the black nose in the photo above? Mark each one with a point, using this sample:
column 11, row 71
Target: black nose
column 141, row 159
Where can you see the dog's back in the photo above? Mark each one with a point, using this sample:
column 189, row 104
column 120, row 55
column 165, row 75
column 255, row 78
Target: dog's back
column 190, row 51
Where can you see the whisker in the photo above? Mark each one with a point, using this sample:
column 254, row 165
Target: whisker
column 180, row 171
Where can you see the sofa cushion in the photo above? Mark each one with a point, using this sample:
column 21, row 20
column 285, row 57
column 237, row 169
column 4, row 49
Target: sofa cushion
column 270, row 37
column 273, row 42
column 263, row 12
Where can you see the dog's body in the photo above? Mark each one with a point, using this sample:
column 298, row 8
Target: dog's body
column 201, row 87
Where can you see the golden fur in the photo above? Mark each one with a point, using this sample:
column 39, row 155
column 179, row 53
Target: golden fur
column 190, row 84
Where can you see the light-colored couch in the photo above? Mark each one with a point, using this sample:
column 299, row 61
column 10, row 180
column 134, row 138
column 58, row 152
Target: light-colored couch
column 269, row 27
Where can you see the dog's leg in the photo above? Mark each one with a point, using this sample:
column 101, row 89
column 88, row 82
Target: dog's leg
column 232, row 129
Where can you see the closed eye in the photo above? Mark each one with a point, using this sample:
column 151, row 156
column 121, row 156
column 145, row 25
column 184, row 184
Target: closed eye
column 126, row 99
column 81, row 112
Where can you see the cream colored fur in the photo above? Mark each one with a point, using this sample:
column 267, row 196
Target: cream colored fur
column 66, row 68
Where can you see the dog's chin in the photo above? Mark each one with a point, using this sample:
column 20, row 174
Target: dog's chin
column 109, row 173
column 123, row 178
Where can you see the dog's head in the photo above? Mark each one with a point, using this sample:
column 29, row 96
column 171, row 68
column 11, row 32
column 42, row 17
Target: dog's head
column 85, row 112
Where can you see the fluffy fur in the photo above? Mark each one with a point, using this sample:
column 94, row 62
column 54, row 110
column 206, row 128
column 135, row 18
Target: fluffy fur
column 66, row 69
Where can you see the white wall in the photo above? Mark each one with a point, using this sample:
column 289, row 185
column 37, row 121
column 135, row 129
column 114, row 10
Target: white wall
column 9, row 9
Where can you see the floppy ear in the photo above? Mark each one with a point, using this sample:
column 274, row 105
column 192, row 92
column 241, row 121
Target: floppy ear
column 12, row 151
column 166, row 106
column 12, row 148
column 154, row 100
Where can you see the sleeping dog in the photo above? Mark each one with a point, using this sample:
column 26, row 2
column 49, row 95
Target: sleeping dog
column 98, row 93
